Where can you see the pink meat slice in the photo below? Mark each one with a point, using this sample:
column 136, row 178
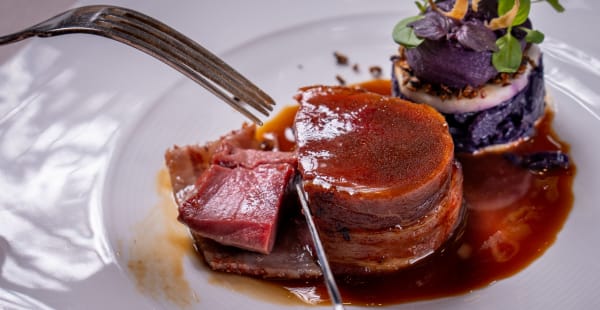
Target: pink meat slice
column 238, row 207
column 291, row 256
column 187, row 163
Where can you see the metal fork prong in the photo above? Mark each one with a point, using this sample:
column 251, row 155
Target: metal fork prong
column 164, row 29
column 227, row 79
column 161, row 41
column 165, row 55
column 199, row 53
column 177, row 59
column 209, row 62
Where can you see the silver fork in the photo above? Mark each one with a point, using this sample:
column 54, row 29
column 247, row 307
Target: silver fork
column 183, row 54
column 160, row 41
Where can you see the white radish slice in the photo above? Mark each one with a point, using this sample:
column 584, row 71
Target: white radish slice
column 494, row 94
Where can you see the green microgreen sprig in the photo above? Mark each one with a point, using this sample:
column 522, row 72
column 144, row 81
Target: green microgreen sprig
column 405, row 35
column 506, row 58
column 555, row 4
column 422, row 6
column 533, row 36
column 508, row 55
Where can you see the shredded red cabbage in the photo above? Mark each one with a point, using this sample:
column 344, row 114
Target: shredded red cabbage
column 540, row 162
column 506, row 122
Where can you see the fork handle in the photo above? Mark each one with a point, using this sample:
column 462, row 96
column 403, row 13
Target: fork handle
column 17, row 36
column 43, row 30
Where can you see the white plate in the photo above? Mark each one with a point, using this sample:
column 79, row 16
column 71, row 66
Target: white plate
column 81, row 144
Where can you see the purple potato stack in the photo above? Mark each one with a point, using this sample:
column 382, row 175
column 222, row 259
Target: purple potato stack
column 452, row 69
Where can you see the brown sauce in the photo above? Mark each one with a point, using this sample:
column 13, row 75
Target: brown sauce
column 513, row 216
column 156, row 274
column 162, row 276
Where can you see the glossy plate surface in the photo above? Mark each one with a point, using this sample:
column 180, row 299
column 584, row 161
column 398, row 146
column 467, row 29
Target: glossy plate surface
column 86, row 220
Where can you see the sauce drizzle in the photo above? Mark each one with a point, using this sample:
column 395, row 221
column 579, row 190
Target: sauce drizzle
column 156, row 255
column 513, row 216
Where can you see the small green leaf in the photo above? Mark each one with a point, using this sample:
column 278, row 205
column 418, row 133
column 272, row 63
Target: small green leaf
column 524, row 8
column 405, row 35
column 556, row 5
column 422, row 6
column 509, row 54
column 533, row 36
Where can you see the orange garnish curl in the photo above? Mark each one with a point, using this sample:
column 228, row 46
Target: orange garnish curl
column 458, row 12
column 475, row 5
column 432, row 5
column 505, row 20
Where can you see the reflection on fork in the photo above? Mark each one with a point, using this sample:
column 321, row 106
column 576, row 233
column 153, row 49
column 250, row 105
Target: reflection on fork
column 160, row 41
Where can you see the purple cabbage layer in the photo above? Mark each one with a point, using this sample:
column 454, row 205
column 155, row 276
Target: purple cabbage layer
column 446, row 56
column 509, row 121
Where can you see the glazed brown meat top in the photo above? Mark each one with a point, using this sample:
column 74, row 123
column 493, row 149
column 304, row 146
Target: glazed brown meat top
column 362, row 142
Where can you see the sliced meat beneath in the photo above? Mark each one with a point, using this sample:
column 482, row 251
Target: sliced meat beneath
column 228, row 155
column 291, row 257
column 380, row 175
column 187, row 163
column 238, row 207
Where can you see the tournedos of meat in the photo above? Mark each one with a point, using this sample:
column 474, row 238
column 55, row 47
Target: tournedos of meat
column 380, row 175
column 383, row 187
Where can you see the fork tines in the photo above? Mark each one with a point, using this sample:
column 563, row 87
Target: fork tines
column 189, row 58
column 161, row 41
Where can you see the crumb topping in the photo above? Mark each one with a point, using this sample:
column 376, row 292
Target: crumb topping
column 340, row 79
column 413, row 83
column 340, row 58
column 375, row 71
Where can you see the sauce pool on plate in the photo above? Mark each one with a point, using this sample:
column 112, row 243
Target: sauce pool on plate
column 513, row 216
